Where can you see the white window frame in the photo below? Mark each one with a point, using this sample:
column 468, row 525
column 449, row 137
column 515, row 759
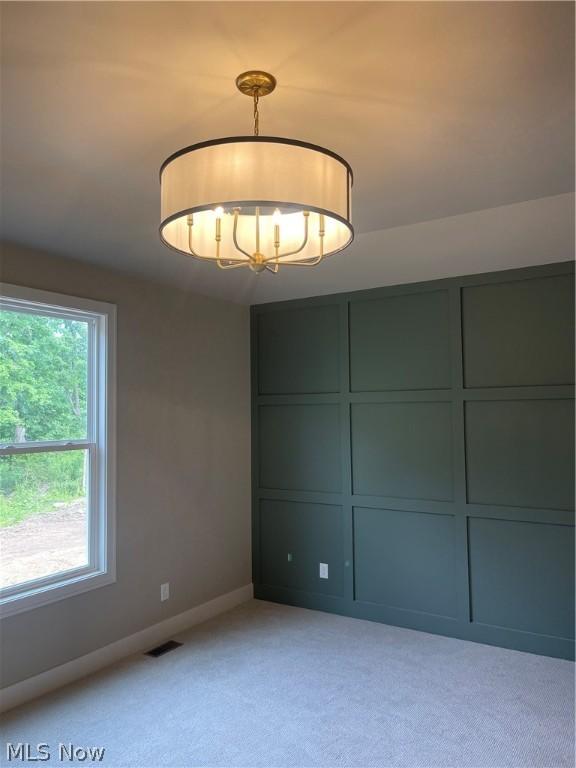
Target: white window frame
column 100, row 443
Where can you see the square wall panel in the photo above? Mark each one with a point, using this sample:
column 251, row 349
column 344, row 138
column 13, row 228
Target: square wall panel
column 298, row 350
column 299, row 447
column 402, row 450
column 522, row 576
column 406, row 560
column 400, row 342
column 520, row 453
column 519, row 333
column 294, row 539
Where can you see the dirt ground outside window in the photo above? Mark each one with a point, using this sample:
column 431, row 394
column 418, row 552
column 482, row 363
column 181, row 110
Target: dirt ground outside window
column 44, row 544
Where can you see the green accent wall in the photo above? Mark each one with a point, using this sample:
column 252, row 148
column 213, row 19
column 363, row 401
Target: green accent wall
column 418, row 441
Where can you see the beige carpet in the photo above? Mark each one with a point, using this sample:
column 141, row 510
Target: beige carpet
column 269, row 685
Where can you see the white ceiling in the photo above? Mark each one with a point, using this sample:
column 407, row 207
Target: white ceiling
column 443, row 109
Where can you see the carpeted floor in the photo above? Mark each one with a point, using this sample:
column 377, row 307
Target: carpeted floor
column 269, row 685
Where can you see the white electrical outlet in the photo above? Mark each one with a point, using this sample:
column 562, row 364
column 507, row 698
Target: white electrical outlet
column 323, row 570
column 289, row 557
column 164, row 591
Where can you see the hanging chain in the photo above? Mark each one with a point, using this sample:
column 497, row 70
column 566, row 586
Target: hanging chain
column 256, row 114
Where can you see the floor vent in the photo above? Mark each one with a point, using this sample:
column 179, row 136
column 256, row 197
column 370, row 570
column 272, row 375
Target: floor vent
column 160, row 650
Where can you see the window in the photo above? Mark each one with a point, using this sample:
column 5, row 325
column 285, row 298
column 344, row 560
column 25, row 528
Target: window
column 57, row 425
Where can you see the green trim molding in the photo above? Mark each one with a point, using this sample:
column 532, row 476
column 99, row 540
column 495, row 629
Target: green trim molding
column 416, row 443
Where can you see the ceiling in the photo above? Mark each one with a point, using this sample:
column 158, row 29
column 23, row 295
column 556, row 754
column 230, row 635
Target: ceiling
column 442, row 109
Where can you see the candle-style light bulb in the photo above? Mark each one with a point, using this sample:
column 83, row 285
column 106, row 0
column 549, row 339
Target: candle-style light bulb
column 218, row 212
column 276, row 218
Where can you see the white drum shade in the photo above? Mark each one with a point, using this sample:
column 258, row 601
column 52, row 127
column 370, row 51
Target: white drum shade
column 284, row 201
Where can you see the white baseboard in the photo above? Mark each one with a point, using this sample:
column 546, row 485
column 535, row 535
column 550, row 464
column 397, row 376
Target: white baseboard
column 29, row 689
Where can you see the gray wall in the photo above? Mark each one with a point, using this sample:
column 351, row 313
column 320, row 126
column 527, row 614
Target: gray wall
column 419, row 440
column 183, row 490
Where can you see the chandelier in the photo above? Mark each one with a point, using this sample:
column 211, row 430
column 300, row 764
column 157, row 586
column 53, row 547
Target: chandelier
column 256, row 201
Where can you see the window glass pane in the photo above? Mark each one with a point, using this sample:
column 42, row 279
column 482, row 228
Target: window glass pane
column 43, row 514
column 43, row 377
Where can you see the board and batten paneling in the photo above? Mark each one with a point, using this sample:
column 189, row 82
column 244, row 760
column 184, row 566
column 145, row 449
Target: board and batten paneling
column 402, row 450
column 395, row 553
column 418, row 358
column 418, row 441
column 299, row 447
column 295, row 538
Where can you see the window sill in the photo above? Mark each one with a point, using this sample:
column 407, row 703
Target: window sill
column 36, row 597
